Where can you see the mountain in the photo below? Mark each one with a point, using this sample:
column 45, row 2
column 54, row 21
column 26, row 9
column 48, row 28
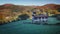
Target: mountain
column 53, row 8
column 10, row 12
column 49, row 6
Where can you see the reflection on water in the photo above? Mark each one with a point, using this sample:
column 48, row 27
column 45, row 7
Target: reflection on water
column 19, row 28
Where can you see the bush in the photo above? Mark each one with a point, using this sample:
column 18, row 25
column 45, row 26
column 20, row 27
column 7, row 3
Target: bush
column 23, row 16
column 58, row 17
column 58, row 9
column 57, row 24
column 54, row 16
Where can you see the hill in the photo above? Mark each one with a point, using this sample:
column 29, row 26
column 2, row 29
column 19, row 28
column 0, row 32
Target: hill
column 10, row 12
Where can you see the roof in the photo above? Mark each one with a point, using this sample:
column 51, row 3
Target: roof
column 41, row 15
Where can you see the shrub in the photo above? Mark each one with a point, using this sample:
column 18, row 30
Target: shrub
column 58, row 9
column 58, row 17
column 57, row 24
column 23, row 16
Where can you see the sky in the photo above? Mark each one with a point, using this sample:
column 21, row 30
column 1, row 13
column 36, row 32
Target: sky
column 30, row 2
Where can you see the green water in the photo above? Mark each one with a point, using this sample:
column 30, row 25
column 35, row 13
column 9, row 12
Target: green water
column 52, row 20
column 19, row 28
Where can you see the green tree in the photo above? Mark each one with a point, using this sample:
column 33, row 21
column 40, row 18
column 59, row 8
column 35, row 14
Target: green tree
column 58, row 17
column 23, row 16
column 58, row 9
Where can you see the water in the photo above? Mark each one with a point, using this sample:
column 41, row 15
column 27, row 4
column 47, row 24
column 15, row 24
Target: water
column 19, row 28
column 52, row 20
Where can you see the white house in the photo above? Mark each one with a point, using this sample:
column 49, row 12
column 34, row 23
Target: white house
column 42, row 18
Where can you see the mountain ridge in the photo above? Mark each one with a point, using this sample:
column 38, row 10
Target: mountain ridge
column 9, row 12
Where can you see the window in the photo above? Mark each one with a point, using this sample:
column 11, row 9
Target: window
column 34, row 12
column 46, row 17
column 39, row 17
column 42, row 17
column 35, row 18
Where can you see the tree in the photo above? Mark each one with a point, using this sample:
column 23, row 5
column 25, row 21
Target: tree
column 54, row 16
column 23, row 16
column 58, row 9
column 58, row 17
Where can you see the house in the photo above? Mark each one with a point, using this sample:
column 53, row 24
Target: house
column 41, row 18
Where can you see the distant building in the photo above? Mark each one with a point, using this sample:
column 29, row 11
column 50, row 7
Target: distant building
column 41, row 18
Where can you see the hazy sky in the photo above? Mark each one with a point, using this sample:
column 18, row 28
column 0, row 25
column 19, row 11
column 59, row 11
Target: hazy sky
column 30, row 2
